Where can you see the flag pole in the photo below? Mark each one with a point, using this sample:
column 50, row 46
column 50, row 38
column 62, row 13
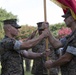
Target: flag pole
column 45, row 16
column 45, row 19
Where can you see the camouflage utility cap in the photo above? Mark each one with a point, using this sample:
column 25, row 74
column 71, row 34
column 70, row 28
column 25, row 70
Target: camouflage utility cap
column 12, row 22
column 67, row 14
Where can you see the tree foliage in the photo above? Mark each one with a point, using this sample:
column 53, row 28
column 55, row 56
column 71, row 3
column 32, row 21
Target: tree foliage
column 55, row 27
column 4, row 15
column 25, row 31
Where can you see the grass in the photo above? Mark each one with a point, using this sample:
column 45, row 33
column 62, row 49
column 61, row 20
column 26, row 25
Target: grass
column 28, row 73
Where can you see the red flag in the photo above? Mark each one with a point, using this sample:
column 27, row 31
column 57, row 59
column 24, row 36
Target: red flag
column 65, row 4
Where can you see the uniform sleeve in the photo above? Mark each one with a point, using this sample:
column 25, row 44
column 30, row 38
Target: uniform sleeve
column 17, row 45
column 7, row 44
column 71, row 49
column 63, row 40
column 10, row 44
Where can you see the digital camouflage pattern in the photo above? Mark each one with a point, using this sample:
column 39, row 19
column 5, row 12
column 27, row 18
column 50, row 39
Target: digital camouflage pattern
column 11, row 61
column 70, row 68
column 38, row 67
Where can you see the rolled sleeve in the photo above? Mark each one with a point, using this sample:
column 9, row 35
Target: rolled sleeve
column 17, row 45
column 63, row 40
column 71, row 49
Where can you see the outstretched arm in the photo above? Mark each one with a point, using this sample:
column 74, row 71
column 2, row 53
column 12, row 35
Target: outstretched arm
column 33, row 55
column 30, row 43
column 56, row 43
column 30, row 55
column 53, row 41
column 61, row 61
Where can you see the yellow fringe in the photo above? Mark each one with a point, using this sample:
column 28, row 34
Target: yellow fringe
column 64, row 7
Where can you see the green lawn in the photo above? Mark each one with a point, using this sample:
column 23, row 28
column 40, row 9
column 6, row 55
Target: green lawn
column 28, row 73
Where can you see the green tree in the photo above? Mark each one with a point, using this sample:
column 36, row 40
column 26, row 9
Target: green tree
column 55, row 27
column 4, row 15
column 25, row 31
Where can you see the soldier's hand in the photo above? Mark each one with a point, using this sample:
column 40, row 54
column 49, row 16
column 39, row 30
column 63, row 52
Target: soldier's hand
column 48, row 64
column 46, row 33
column 45, row 24
column 46, row 53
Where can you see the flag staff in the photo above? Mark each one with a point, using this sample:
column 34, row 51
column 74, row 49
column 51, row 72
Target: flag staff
column 45, row 19
column 45, row 16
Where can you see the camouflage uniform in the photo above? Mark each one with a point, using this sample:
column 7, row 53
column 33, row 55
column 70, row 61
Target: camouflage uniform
column 38, row 68
column 70, row 68
column 11, row 60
